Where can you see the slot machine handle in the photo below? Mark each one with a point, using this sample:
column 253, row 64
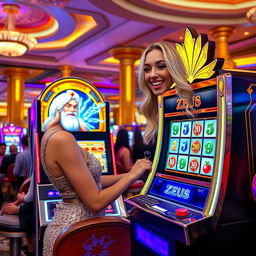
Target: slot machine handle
column 147, row 154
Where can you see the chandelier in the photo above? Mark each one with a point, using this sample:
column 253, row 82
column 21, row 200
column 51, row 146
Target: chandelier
column 14, row 43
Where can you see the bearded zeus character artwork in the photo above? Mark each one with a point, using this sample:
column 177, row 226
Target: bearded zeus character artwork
column 73, row 112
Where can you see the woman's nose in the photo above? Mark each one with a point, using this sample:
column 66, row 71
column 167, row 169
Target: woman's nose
column 153, row 72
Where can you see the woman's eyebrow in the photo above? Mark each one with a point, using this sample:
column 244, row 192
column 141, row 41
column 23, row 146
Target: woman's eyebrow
column 157, row 62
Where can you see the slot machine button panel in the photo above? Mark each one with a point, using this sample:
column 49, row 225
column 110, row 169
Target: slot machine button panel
column 181, row 212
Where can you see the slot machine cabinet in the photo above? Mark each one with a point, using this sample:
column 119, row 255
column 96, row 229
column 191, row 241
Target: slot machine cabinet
column 198, row 198
column 96, row 140
column 12, row 135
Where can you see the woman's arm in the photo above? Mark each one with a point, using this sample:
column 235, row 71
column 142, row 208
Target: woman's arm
column 108, row 180
column 66, row 154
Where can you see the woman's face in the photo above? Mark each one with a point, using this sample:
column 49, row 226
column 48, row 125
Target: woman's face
column 156, row 73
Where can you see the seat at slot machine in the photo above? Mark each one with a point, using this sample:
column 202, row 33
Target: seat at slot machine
column 135, row 187
column 10, row 226
column 95, row 236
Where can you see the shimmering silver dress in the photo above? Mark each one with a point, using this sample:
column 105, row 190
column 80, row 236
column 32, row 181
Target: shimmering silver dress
column 74, row 210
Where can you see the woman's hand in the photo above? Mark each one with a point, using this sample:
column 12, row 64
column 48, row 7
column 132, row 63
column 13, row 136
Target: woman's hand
column 140, row 166
column 10, row 209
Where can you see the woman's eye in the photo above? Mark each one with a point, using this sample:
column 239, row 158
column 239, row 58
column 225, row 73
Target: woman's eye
column 147, row 70
column 162, row 66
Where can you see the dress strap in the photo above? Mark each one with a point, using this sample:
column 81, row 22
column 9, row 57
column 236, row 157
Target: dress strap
column 44, row 143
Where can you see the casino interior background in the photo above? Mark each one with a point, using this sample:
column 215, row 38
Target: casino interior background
column 81, row 37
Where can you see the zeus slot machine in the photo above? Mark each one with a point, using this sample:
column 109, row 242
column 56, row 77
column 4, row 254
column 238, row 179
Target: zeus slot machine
column 198, row 196
column 93, row 116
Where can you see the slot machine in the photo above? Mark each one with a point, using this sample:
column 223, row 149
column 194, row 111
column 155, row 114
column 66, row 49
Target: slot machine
column 12, row 135
column 94, row 117
column 198, row 198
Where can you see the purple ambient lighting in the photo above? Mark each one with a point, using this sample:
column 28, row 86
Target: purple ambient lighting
column 151, row 240
column 254, row 187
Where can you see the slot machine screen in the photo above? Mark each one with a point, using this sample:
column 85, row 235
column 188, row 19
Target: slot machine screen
column 50, row 208
column 186, row 167
column 98, row 149
column 130, row 136
column 12, row 139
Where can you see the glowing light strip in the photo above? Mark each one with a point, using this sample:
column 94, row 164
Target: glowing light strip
column 149, row 13
column 205, row 5
column 113, row 154
column 245, row 61
column 128, row 88
column 248, row 125
column 112, row 60
column 84, row 25
column 215, row 191
column 37, row 160
column 50, row 31
column 158, row 146
column 17, row 90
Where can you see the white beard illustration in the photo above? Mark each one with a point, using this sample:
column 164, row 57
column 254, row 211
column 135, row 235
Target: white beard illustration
column 69, row 121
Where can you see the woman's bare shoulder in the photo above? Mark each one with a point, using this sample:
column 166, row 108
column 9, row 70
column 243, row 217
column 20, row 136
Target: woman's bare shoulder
column 61, row 138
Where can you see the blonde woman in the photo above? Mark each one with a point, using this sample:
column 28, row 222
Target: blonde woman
column 160, row 68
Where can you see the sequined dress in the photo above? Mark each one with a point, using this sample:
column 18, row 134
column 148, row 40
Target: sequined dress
column 73, row 211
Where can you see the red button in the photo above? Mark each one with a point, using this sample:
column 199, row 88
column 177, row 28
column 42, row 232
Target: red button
column 181, row 212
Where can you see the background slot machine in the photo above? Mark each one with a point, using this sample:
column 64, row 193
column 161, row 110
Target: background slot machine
column 198, row 198
column 12, row 135
column 94, row 113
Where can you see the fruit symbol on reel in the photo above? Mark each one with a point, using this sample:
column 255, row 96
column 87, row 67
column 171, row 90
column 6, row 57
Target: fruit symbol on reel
column 207, row 167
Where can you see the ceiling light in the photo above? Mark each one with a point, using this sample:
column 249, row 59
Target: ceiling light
column 14, row 43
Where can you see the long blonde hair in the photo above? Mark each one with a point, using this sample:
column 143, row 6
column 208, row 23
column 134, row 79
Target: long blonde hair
column 175, row 66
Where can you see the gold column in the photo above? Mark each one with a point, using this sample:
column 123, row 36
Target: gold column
column 66, row 70
column 127, row 57
column 221, row 35
column 15, row 94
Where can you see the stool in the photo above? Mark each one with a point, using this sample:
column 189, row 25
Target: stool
column 10, row 228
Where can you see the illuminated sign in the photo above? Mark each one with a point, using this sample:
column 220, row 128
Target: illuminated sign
column 154, row 242
column 53, row 193
column 191, row 195
column 75, row 103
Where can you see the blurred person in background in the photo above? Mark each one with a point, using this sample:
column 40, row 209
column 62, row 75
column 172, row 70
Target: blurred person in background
column 123, row 151
column 22, row 162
